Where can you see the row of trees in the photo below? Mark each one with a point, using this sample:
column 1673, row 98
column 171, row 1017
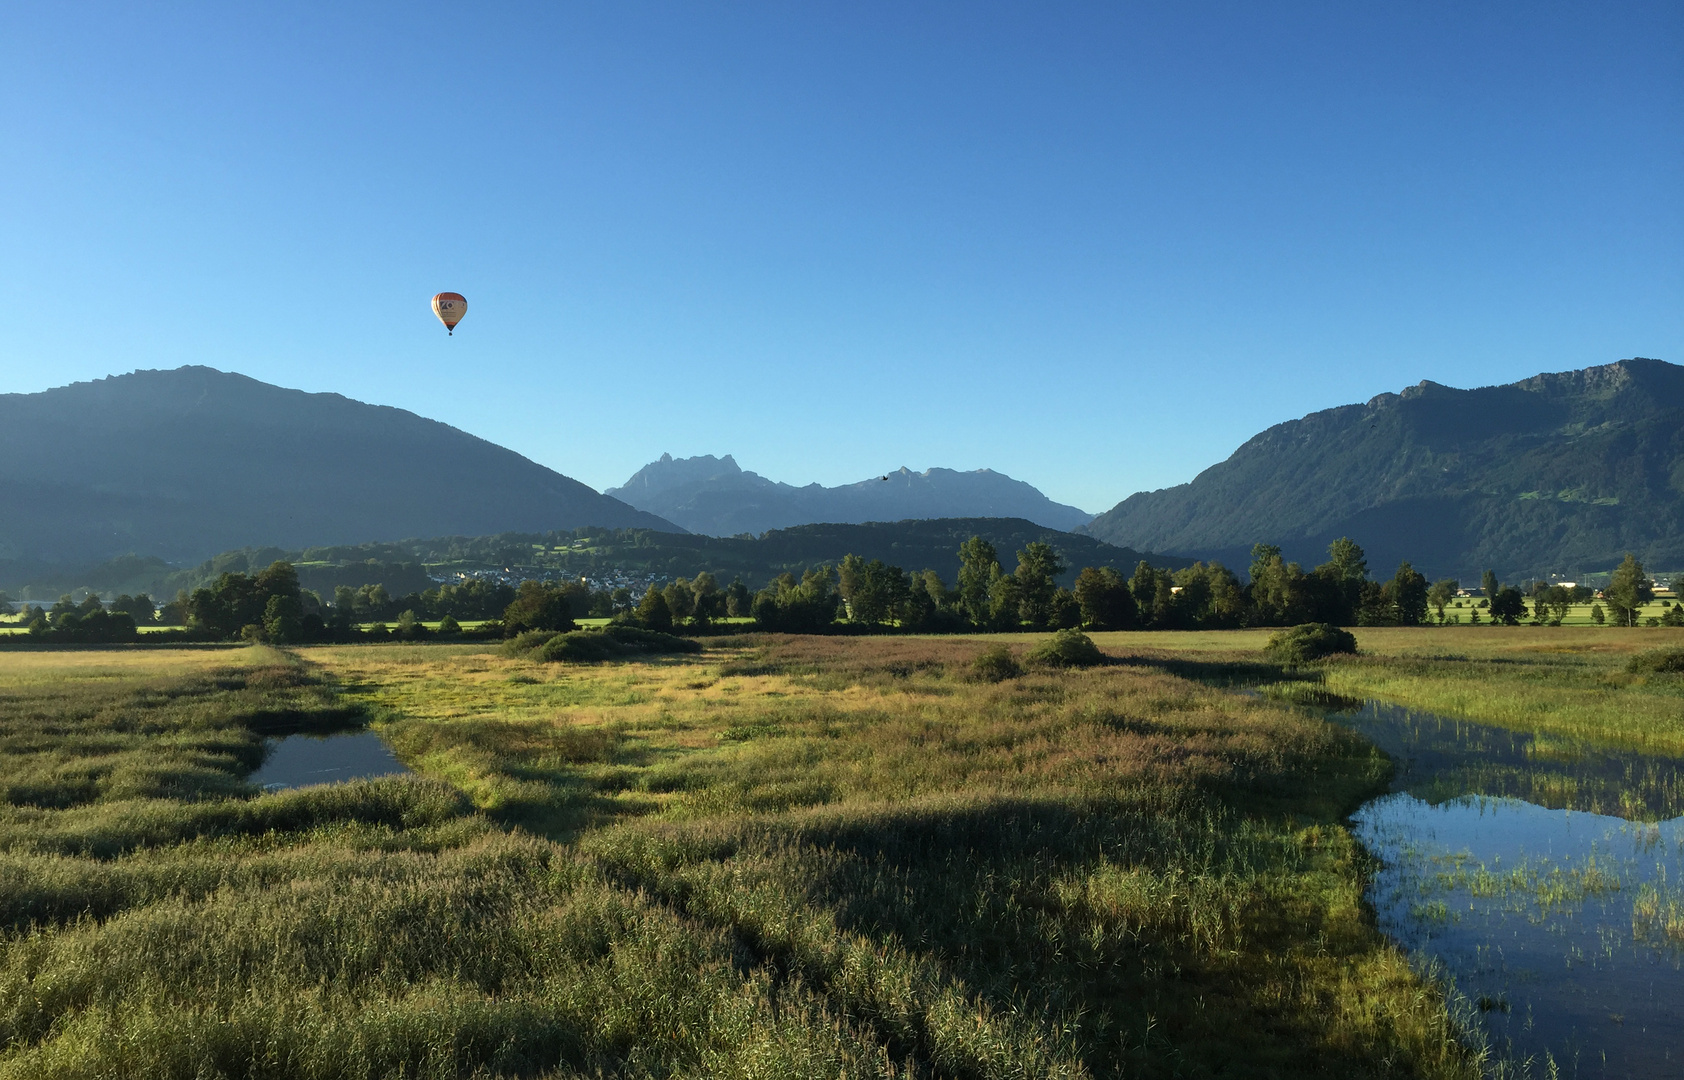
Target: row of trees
column 1202, row 596
column 270, row 605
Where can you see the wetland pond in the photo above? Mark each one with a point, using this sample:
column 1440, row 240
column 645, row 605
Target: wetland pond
column 1544, row 880
column 302, row 760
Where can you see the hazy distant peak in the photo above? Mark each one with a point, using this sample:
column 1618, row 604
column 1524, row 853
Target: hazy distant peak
column 714, row 495
column 670, row 472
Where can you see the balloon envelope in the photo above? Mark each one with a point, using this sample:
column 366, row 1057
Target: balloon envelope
column 450, row 307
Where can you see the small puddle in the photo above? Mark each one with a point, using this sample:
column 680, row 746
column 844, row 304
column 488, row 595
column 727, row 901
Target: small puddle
column 301, row 760
column 1545, row 879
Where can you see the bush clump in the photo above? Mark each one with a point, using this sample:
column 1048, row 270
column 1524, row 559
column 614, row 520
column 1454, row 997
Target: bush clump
column 1310, row 641
column 526, row 641
column 612, row 643
column 1067, row 648
column 996, row 664
column 1659, row 662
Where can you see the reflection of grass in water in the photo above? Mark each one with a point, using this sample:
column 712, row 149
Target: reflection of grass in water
column 1559, row 681
column 1310, row 694
column 1657, row 914
column 1457, row 756
column 1534, row 887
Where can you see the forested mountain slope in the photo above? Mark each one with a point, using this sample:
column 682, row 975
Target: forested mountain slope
column 715, row 496
column 1559, row 473
column 185, row 463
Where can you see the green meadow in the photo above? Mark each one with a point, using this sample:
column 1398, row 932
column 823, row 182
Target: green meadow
column 783, row 856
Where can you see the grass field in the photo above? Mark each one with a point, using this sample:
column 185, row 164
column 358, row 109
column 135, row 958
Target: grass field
column 785, row 857
column 1554, row 680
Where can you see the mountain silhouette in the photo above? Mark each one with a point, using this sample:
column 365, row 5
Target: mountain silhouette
column 183, row 464
column 1560, row 473
column 716, row 497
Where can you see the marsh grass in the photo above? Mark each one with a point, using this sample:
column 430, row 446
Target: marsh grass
column 782, row 857
column 1550, row 680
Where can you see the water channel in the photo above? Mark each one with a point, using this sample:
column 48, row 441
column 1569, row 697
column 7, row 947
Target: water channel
column 301, row 760
column 1543, row 879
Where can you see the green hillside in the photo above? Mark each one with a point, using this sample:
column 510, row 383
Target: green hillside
column 404, row 566
column 1560, row 473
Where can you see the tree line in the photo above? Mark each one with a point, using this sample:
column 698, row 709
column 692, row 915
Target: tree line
column 861, row 595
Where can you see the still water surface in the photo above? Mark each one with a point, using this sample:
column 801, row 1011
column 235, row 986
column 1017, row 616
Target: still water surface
column 1511, row 868
column 301, row 760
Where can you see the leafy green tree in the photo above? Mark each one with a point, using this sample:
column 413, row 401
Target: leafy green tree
column 1038, row 565
column 1488, row 584
column 1409, row 596
column 1151, row 589
column 850, row 576
column 681, row 602
column 1279, row 593
column 1066, row 612
column 979, row 565
column 174, row 613
column 652, row 611
column 738, row 599
column 1102, row 596
column 1374, row 604
column 1342, row 582
column 140, row 607
column 279, row 579
column 1554, row 603
column 1441, row 594
column 410, row 627
column 875, row 593
column 804, row 607
column 1004, row 602
column 1597, row 615
column 1508, row 607
column 1211, row 597
column 537, row 605
column 1262, row 557
column 1628, row 590
column 283, row 619
column 707, row 602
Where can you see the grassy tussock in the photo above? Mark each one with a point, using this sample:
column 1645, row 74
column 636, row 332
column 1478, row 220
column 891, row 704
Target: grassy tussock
column 785, row 857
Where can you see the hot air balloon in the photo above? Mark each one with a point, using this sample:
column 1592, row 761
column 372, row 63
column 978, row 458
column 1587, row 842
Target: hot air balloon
column 450, row 307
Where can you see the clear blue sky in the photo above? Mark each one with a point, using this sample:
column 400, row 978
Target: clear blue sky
column 1095, row 246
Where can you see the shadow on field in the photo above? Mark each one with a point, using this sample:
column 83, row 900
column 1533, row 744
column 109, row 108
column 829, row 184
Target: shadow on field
column 1069, row 911
column 1218, row 673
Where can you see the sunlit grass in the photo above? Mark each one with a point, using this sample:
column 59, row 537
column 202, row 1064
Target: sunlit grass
column 782, row 857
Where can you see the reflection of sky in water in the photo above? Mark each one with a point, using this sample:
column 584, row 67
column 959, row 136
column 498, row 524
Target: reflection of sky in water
column 1531, row 908
column 301, row 760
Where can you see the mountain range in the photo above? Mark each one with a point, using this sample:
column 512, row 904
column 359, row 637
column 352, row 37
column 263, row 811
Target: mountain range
column 1555, row 474
column 185, row 463
column 716, row 497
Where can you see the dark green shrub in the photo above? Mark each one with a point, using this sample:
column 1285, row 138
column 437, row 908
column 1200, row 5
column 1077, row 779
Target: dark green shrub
column 1659, row 662
column 579, row 647
column 615, row 642
column 523, row 643
column 996, row 664
column 1067, row 648
column 653, row 641
column 1309, row 642
column 449, row 627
